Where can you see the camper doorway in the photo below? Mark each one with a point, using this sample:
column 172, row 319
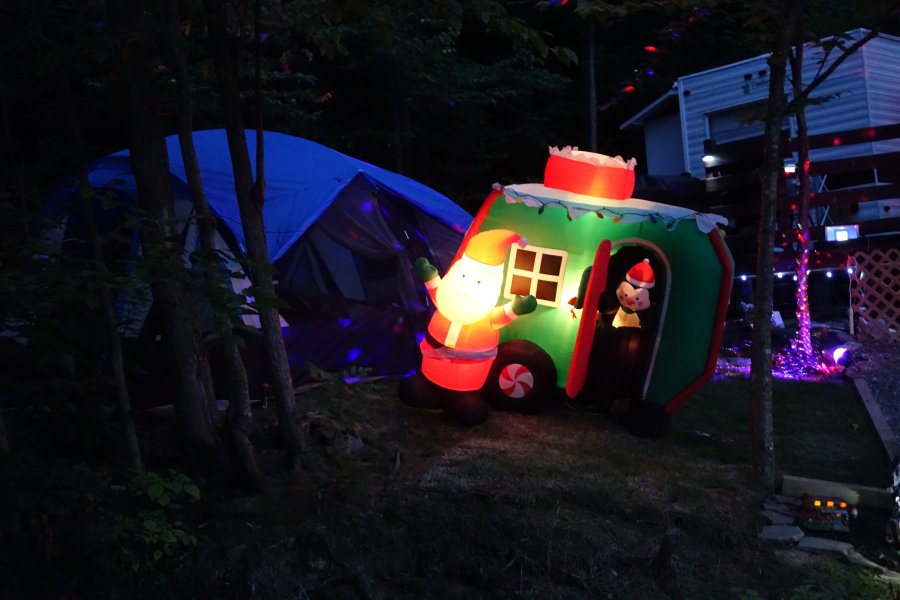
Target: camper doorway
column 622, row 354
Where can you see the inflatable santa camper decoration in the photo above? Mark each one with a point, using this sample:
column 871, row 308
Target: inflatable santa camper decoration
column 573, row 285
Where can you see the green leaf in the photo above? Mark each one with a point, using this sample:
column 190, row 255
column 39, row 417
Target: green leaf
column 168, row 537
column 152, row 525
column 192, row 490
column 67, row 362
column 155, row 491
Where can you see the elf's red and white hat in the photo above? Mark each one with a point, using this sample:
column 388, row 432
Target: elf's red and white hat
column 641, row 275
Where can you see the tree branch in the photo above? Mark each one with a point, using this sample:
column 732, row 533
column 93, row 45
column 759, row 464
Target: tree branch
column 823, row 75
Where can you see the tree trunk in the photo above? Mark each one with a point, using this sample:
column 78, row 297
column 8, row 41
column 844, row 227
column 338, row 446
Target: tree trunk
column 6, row 153
column 404, row 135
column 240, row 415
column 803, row 343
column 123, row 399
column 4, row 437
column 150, row 166
column 763, row 437
column 250, row 205
column 590, row 82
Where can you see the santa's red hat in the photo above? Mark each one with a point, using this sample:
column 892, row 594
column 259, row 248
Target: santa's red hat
column 489, row 247
column 641, row 275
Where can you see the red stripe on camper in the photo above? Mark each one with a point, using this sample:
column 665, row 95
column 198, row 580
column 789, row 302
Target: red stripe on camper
column 477, row 222
column 585, row 339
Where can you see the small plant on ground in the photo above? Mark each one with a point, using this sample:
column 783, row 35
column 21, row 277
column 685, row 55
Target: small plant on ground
column 156, row 531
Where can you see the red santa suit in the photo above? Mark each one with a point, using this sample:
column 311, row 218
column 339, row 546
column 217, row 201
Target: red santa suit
column 462, row 337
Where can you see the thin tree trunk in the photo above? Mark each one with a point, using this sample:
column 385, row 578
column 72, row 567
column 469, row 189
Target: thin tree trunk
column 804, row 340
column 6, row 154
column 4, row 437
column 763, row 436
column 590, row 82
column 150, row 166
column 9, row 157
column 403, row 136
column 123, row 399
column 250, row 205
column 240, row 415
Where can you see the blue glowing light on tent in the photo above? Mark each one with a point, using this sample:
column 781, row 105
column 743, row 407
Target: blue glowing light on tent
column 353, row 354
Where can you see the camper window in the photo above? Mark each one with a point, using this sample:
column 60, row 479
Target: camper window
column 537, row 271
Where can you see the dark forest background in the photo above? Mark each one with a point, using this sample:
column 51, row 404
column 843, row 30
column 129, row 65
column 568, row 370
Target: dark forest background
column 457, row 95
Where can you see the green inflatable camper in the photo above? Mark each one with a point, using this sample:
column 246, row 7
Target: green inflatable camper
column 591, row 250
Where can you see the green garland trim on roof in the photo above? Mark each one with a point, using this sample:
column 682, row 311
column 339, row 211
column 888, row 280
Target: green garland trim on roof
column 706, row 222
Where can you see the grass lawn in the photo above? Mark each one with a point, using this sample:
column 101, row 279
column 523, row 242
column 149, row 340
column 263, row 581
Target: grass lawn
column 821, row 428
column 565, row 504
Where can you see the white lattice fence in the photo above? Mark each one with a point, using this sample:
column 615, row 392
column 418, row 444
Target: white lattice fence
column 876, row 293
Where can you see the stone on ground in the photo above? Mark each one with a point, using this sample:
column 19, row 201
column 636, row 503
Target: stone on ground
column 824, row 546
column 781, row 533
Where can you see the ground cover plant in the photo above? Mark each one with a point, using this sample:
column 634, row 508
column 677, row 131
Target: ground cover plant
column 821, row 429
column 565, row 504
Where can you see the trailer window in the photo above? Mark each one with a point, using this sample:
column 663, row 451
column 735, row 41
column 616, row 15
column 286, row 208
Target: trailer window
column 537, row 271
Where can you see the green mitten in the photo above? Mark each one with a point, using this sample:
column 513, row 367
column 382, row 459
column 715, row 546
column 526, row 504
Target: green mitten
column 424, row 269
column 522, row 305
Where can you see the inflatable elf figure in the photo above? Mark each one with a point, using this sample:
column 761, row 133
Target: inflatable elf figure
column 634, row 294
column 461, row 342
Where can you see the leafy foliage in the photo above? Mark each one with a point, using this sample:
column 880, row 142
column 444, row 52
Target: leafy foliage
column 98, row 532
column 157, row 531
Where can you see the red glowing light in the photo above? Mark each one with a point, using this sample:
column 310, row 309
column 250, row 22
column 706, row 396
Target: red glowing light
column 650, row 48
column 836, row 141
column 628, row 89
column 870, row 132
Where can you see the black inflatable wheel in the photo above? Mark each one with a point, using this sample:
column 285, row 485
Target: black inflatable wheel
column 522, row 378
column 648, row 420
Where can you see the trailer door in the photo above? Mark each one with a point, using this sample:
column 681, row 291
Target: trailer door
column 585, row 338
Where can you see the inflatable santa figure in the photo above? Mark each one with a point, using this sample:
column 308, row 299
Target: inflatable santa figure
column 634, row 294
column 461, row 342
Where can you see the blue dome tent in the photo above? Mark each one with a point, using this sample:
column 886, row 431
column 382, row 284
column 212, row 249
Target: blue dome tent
column 342, row 234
